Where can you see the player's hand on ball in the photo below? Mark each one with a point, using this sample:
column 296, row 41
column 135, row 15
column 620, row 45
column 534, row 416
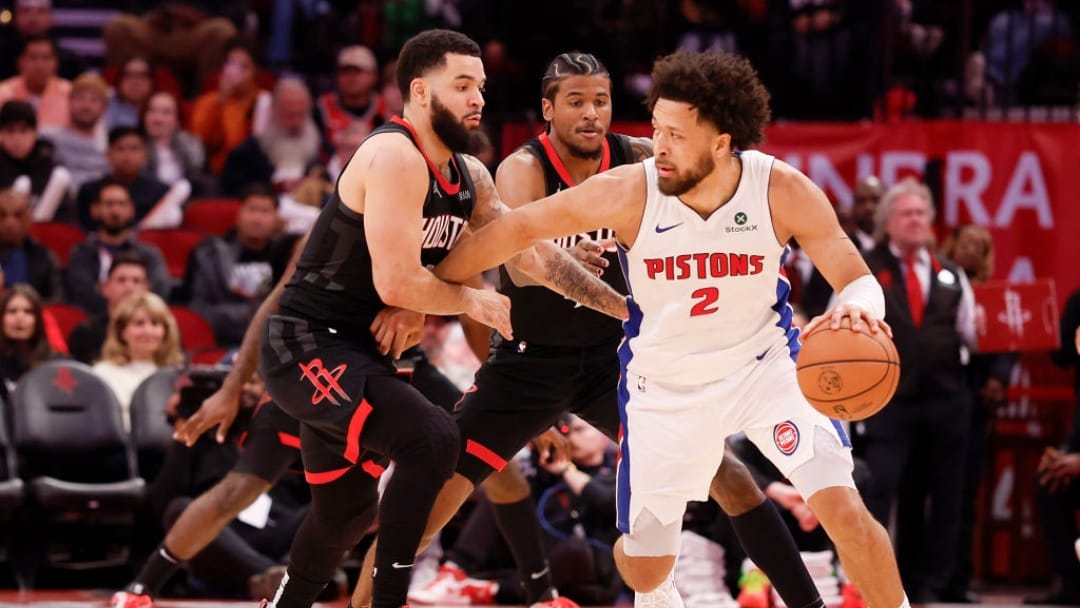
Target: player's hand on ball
column 490, row 308
column 589, row 253
column 396, row 329
column 859, row 317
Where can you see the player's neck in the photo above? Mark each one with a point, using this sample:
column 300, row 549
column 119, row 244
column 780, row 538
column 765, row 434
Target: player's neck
column 579, row 168
column 716, row 189
column 429, row 142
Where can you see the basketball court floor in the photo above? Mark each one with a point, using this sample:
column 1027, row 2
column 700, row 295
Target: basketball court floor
column 994, row 597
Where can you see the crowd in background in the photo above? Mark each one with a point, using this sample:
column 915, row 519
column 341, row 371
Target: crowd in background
column 264, row 103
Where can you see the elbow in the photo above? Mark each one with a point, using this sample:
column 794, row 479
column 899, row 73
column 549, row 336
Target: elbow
column 392, row 293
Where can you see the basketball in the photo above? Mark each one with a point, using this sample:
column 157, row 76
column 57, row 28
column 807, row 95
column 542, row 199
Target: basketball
column 848, row 375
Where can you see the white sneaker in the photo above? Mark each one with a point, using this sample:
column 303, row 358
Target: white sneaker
column 664, row 596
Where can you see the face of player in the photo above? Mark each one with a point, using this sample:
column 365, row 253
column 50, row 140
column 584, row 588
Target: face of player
column 457, row 101
column 684, row 147
column 909, row 225
column 580, row 116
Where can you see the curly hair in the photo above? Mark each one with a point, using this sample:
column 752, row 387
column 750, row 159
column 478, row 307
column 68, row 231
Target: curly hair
column 427, row 51
column 724, row 88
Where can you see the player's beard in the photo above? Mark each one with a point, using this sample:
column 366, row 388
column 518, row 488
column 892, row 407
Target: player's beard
column 451, row 130
column 584, row 153
column 679, row 185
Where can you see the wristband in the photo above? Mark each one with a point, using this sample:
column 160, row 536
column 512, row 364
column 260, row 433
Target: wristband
column 864, row 292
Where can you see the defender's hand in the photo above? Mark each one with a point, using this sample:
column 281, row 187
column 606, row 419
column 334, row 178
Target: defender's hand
column 552, row 446
column 218, row 409
column 589, row 253
column 396, row 329
column 492, row 309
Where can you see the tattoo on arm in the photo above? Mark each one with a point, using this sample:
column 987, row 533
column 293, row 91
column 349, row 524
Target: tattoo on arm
column 563, row 274
column 642, row 147
column 488, row 204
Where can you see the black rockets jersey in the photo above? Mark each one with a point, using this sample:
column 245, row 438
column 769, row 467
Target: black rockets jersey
column 541, row 316
column 333, row 285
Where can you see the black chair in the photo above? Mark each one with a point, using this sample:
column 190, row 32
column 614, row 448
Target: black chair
column 12, row 489
column 149, row 428
column 81, row 467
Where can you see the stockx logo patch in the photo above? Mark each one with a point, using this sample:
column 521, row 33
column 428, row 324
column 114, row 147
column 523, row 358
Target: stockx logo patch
column 741, row 225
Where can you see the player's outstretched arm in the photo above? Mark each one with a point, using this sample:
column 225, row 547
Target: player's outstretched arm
column 803, row 212
column 220, row 409
column 612, row 199
column 388, row 184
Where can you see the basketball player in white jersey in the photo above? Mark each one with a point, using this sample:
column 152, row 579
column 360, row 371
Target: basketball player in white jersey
column 709, row 349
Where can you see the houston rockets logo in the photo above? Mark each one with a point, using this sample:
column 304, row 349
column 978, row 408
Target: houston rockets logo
column 325, row 381
column 1014, row 315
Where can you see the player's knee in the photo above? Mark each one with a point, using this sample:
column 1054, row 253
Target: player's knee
column 507, row 485
column 642, row 573
column 174, row 510
column 845, row 517
column 734, row 488
column 433, row 445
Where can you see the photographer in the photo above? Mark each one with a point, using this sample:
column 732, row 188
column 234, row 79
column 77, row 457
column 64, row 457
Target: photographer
column 259, row 538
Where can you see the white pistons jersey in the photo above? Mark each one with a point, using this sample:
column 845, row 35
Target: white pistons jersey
column 706, row 295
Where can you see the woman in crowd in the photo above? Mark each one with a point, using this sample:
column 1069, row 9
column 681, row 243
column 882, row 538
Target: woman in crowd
column 142, row 338
column 174, row 154
column 23, row 343
column 134, row 86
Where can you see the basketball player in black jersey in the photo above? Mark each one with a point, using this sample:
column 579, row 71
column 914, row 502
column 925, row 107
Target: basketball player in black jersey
column 564, row 357
column 406, row 191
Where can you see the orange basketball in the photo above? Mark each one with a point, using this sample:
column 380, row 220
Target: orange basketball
column 848, row 375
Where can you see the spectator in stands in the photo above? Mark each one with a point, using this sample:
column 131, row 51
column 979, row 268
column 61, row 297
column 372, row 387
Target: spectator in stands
column 188, row 36
column 930, row 307
column 142, row 339
column 90, row 260
column 157, row 205
column 228, row 277
column 38, row 83
column 344, row 147
column 282, row 152
column 23, row 344
column 1013, row 38
column 23, row 155
column 134, row 86
column 127, row 276
column 175, row 154
column 80, row 146
column 1058, row 492
column 33, row 18
column 355, row 99
column 224, row 118
column 24, row 260
column 391, row 93
column 867, row 196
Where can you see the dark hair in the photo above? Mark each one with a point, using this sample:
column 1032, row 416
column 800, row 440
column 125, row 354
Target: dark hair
column 37, row 350
column 724, row 88
column 107, row 182
column 127, row 258
column 17, row 112
column 239, row 43
column 574, row 63
column 427, row 51
column 118, row 133
column 35, row 38
column 261, row 190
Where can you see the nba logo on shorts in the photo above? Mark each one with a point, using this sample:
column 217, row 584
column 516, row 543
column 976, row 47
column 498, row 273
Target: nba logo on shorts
column 786, row 437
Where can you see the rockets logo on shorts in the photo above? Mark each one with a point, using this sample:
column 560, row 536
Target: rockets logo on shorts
column 786, row 437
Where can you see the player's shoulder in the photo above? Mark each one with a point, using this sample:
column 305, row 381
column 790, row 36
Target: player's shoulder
column 520, row 163
column 785, row 180
column 389, row 147
column 641, row 148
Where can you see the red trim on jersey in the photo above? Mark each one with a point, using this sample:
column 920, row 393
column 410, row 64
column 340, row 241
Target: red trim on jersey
column 485, row 454
column 451, row 189
column 372, row 469
column 325, row 477
column 287, row 440
column 356, row 425
column 560, row 168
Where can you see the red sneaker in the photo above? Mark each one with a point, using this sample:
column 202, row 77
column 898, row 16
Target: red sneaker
column 852, row 597
column 124, row 599
column 755, row 591
column 558, row 602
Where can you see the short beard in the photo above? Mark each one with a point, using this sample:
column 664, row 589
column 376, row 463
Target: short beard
column 458, row 137
column 579, row 152
column 115, row 230
column 674, row 186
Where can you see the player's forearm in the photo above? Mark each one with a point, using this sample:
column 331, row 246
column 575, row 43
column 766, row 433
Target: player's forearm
column 557, row 270
column 486, row 248
column 247, row 356
column 424, row 292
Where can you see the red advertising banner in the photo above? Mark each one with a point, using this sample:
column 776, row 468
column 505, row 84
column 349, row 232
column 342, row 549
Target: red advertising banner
column 1015, row 317
column 1019, row 180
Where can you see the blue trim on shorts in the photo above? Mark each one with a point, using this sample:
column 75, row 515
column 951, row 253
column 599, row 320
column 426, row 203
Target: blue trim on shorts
column 844, row 440
column 783, row 308
column 632, row 327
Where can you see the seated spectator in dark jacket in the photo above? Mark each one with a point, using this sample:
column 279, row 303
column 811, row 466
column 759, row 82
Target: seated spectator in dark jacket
column 227, row 277
column 156, row 204
column 23, row 155
column 281, row 153
column 23, row 343
column 23, row 259
column 34, row 18
column 127, row 276
column 90, row 260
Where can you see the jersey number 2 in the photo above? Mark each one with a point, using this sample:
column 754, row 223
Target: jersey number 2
column 706, row 305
